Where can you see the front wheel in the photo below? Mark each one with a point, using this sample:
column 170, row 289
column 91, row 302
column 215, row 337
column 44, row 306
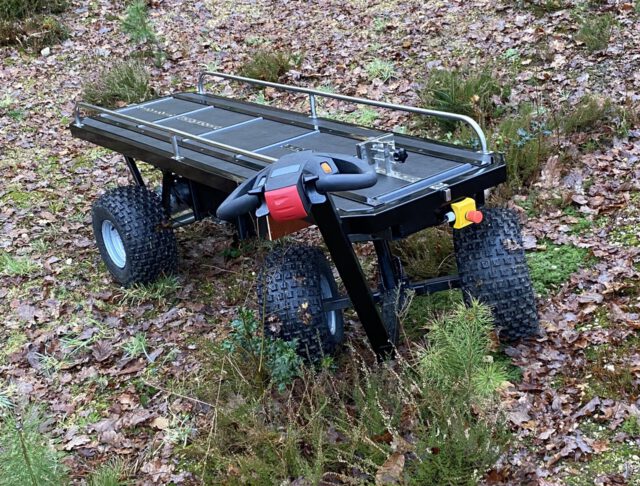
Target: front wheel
column 493, row 269
column 133, row 235
column 292, row 285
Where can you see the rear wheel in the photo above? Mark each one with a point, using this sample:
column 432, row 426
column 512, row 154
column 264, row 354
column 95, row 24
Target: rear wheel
column 292, row 286
column 133, row 235
column 493, row 269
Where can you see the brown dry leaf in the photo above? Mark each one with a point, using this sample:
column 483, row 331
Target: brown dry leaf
column 161, row 423
column 600, row 446
column 77, row 441
column 391, row 471
column 102, row 350
column 384, row 438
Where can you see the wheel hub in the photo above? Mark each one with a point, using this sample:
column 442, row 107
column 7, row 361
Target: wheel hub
column 331, row 316
column 113, row 244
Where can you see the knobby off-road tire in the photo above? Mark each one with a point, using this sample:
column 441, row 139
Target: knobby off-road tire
column 292, row 284
column 134, row 236
column 493, row 269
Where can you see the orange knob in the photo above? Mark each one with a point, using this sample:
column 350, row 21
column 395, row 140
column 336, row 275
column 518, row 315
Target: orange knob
column 474, row 216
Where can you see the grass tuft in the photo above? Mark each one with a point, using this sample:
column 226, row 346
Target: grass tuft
column 595, row 31
column 124, row 82
column 161, row 289
column 380, row 69
column 269, row 65
column 471, row 94
column 30, row 23
column 112, row 473
column 589, row 113
column 524, row 140
column 136, row 346
column 428, row 253
column 542, row 7
column 16, row 266
column 14, row 10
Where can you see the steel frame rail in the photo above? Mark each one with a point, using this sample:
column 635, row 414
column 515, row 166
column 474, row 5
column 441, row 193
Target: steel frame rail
column 176, row 135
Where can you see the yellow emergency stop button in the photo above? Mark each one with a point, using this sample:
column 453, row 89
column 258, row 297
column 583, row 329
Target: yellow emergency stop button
column 466, row 213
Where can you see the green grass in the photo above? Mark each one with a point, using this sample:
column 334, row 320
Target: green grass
column 590, row 113
column 608, row 372
column 12, row 10
column 622, row 458
column 631, row 426
column 269, row 65
column 542, row 7
column 161, row 289
column 112, row 473
column 12, row 344
column 136, row 346
column 14, row 266
column 595, row 30
column 428, row 253
column 380, row 69
column 466, row 93
column 524, row 140
column 343, row 423
column 362, row 116
column 29, row 22
column 553, row 266
column 122, row 82
column 583, row 222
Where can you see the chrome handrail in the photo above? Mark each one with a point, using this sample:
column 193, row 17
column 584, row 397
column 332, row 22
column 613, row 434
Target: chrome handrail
column 362, row 101
column 174, row 132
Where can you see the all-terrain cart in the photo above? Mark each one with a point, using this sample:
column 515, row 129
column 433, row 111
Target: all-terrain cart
column 271, row 172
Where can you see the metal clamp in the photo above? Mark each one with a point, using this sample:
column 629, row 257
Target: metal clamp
column 361, row 101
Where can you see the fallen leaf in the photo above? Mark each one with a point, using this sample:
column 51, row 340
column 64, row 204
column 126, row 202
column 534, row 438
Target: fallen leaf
column 160, row 423
column 391, row 471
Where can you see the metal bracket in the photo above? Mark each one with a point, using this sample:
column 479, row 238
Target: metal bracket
column 379, row 151
column 444, row 188
column 176, row 148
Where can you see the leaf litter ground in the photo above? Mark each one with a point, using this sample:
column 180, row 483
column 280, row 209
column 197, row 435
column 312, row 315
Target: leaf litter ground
column 70, row 334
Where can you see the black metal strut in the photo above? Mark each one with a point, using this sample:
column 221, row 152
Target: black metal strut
column 348, row 267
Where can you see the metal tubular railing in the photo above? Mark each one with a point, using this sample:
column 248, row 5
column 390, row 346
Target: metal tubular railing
column 362, row 101
column 174, row 133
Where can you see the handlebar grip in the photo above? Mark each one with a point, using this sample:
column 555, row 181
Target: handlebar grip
column 347, row 164
column 233, row 207
column 346, row 182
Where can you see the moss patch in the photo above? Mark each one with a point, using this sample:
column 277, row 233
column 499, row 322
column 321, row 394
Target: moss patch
column 608, row 373
column 553, row 266
column 620, row 459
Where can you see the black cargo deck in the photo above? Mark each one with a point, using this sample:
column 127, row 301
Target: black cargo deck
column 172, row 133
